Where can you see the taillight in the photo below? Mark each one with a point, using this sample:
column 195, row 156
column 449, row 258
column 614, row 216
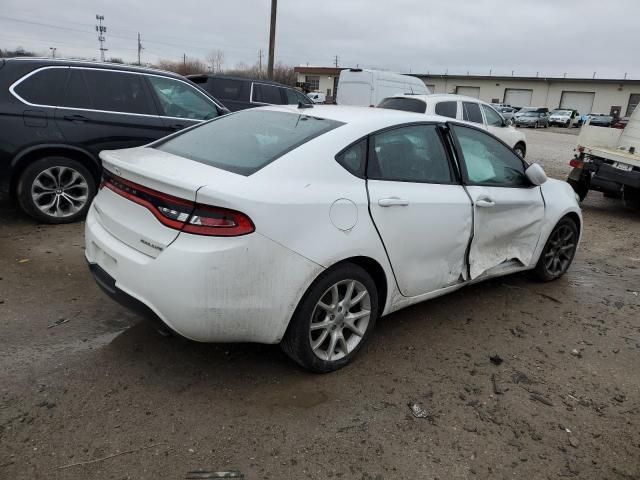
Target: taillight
column 575, row 163
column 181, row 214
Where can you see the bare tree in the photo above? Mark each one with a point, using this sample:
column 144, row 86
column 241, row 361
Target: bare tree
column 184, row 67
column 215, row 59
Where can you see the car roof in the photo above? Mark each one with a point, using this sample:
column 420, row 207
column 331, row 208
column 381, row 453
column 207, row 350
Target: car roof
column 46, row 62
column 235, row 77
column 368, row 117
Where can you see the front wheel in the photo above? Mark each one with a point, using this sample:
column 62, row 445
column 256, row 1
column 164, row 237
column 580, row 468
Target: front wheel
column 558, row 253
column 333, row 320
column 56, row 190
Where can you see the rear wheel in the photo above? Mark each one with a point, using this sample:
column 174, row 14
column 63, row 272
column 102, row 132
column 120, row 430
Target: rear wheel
column 333, row 320
column 56, row 190
column 558, row 253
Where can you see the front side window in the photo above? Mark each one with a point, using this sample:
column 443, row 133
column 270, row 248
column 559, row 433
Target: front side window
column 409, row 154
column 447, row 109
column 118, row 91
column 471, row 112
column 246, row 141
column 405, row 104
column 44, row 87
column 487, row 161
column 263, row 93
column 180, row 100
column 493, row 118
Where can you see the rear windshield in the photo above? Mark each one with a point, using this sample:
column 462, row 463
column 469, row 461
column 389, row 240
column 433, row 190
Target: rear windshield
column 246, row 141
column 404, row 104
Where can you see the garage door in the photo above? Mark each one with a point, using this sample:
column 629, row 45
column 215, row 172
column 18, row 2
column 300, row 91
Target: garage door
column 469, row 91
column 518, row 97
column 580, row 101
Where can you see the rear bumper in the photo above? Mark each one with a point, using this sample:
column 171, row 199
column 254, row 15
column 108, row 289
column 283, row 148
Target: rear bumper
column 208, row 289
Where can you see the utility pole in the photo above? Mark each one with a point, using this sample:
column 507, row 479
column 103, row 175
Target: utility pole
column 272, row 38
column 184, row 62
column 260, row 62
column 140, row 48
column 335, row 61
column 53, row 52
column 101, row 29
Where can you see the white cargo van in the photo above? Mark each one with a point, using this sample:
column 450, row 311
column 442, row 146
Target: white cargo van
column 367, row 88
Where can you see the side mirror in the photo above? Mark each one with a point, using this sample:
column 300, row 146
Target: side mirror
column 535, row 174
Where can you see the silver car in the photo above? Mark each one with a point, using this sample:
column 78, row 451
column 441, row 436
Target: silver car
column 533, row 119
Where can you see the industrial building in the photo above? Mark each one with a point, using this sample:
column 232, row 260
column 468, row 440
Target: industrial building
column 586, row 95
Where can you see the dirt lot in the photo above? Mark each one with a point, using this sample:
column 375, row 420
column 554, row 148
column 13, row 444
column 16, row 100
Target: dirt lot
column 82, row 381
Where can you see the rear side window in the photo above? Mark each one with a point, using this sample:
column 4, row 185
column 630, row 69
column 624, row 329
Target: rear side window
column 471, row 112
column 353, row 158
column 178, row 99
column 409, row 154
column 263, row 93
column 447, row 109
column 118, row 92
column 226, row 89
column 44, row 87
column 77, row 93
column 405, row 104
column 246, row 141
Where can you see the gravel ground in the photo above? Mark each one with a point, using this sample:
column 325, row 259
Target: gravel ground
column 89, row 390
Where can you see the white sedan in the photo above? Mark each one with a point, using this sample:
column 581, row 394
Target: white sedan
column 302, row 226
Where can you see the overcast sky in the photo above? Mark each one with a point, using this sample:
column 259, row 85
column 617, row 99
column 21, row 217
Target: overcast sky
column 552, row 37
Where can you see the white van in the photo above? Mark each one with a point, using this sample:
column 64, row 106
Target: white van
column 367, row 88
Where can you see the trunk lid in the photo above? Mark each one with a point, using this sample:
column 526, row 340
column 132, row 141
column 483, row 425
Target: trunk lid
column 146, row 173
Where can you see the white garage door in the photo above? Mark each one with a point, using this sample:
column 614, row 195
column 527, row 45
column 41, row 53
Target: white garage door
column 580, row 101
column 518, row 97
column 469, row 91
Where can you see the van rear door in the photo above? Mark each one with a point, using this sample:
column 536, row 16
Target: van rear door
column 355, row 88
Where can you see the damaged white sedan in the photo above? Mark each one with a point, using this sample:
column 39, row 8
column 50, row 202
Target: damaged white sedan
column 302, row 226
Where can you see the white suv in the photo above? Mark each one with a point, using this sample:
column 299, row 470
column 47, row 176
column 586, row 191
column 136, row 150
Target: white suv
column 463, row 108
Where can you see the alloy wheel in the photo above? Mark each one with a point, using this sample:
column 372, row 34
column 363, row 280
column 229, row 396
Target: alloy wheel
column 59, row 191
column 560, row 250
column 339, row 320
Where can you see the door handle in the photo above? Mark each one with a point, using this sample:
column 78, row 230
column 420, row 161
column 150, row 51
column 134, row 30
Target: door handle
column 75, row 118
column 393, row 202
column 485, row 202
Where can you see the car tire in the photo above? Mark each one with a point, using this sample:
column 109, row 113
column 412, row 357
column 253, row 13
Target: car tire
column 559, row 251
column 319, row 338
column 631, row 198
column 56, row 190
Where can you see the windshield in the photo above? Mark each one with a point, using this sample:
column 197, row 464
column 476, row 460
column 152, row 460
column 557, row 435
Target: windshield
column 562, row 112
column 246, row 141
column 531, row 114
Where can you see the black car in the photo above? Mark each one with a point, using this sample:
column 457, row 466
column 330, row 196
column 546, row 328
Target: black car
column 238, row 93
column 57, row 115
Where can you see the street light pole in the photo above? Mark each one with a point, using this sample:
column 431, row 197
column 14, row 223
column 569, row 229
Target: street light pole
column 53, row 52
column 272, row 38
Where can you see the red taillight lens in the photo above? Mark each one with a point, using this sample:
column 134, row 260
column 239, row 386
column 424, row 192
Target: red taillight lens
column 575, row 163
column 181, row 214
column 222, row 222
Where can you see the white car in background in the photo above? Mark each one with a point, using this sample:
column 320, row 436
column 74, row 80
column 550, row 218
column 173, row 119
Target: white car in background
column 468, row 109
column 317, row 97
column 301, row 226
column 565, row 118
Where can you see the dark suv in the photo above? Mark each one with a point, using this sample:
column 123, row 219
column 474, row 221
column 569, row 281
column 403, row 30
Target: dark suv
column 57, row 115
column 238, row 93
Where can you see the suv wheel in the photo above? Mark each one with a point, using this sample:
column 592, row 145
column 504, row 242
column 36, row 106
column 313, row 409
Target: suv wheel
column 333, row 320
column 56, row 190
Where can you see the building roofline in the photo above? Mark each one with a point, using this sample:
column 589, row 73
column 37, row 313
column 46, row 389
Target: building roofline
column 539, row 79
